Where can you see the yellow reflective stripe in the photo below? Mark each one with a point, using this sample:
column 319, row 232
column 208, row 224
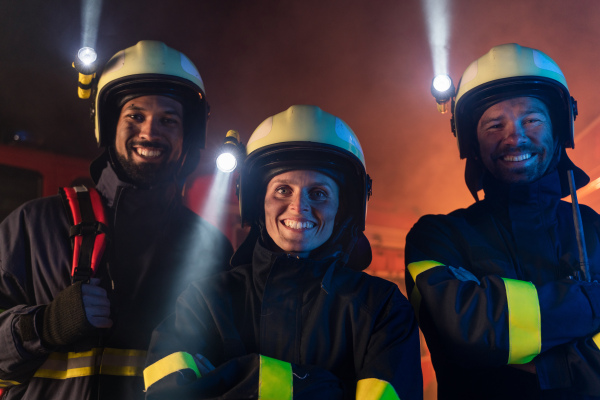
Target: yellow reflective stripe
column 165, row 366
column 107, row 361
column 275, row 380
column 524, row 321
column 596, row 339
column 414, row 269
column 375, row 389
column 5, row 384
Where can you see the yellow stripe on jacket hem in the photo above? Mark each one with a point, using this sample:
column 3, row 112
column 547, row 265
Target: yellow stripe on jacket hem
column 596, row 339
column 275, row 380
column 102, row 361
column 375, row 389
column 5, row 384
column 172, row 363
column 524, row 321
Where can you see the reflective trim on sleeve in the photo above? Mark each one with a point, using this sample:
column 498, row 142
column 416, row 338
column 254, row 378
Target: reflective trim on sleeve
column 275, row 380
column 414, row 269
column 98, row 361
column 596, row 339
column 524, row 321
column 166, row 366
column 5, row 384
column 375, row 389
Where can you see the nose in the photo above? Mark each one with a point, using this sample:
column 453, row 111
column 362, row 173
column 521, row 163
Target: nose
column 515, row 134
column 149, row 130
column 300, row 202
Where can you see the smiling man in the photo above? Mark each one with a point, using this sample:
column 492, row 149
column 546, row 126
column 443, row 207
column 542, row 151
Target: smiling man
column 494, row 285
column 69, row 338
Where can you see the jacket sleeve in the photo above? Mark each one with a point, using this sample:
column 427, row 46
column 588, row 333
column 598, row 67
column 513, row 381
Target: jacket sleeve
column 172, row 370
column 22, row 352
column 172, row 366
column 490, row 320
column 392, row 366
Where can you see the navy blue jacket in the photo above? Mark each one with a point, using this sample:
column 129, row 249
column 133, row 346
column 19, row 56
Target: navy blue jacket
column 328, row 326
column 157, row 247
column 491, row 285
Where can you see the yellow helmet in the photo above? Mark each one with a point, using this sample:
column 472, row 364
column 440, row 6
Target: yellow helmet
column 152, row 68
column 508, row 71
column 304, row 137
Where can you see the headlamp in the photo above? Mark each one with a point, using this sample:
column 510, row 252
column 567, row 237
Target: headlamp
column 85, row 64
column 230, row 153
column 443, row 90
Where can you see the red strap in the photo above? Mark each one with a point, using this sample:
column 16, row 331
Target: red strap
column 100, row 240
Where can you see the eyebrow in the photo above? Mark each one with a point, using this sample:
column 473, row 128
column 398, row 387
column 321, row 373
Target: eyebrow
column 288, row 182
column 133, row 107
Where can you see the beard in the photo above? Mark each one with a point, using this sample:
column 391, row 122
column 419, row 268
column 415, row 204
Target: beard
column 146, row 174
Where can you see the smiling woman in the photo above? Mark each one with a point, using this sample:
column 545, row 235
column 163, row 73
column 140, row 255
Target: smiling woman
column 295, row 317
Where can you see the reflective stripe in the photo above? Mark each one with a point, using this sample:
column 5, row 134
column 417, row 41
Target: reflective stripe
column 596, row 339
column 5, row 384
column 524, row 321
column 414, row 269
column 375, row 389
column 275, row 380
column 98, row 361
column 166, row 366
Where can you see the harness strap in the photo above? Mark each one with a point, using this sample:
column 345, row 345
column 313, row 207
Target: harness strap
column 88, row 231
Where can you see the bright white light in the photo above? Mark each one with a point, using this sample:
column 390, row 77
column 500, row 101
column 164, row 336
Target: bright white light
column 87, row 55
column 441, row 83
column 226, row 162
column 437, row 16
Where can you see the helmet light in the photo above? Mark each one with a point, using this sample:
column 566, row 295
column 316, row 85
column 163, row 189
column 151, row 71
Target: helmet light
column 87, row 55
column 230, row 153
column 443, row 90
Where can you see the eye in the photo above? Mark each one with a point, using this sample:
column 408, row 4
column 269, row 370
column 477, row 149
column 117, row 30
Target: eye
column 169, row 121
column 318, row 194
column 283, row 190
column 136, row 117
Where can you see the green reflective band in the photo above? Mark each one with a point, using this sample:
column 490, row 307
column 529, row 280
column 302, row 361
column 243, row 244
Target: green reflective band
column 524, row 324
column 166, row 366
column 275, row 380
column 5, row 384
column 375, row 389
column 414, row 269
column 596, row 339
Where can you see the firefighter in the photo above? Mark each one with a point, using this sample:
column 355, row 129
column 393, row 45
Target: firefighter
column 295, row 317
column 88, row 340
column 495, row 285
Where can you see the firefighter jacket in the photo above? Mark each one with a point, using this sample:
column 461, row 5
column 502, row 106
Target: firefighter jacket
column 491, row 288
column 283, row 327
column 157, row 246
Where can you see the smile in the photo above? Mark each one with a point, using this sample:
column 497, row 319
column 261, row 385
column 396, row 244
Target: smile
column 297, row 224
column 522, row 157
column 148, row 152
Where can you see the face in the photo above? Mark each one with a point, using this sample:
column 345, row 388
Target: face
column 149, row 138
column 300, row 209
column 515, row 140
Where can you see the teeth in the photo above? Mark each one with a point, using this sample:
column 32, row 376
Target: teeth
column 298, row 225
column 144, row 152
column 517, row 158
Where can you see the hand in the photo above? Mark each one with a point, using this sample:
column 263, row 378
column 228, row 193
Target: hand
column 204, row 366
column 529, row 367
column 96, row 304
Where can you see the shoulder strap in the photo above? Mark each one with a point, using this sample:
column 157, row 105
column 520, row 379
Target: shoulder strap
column 88, row 232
